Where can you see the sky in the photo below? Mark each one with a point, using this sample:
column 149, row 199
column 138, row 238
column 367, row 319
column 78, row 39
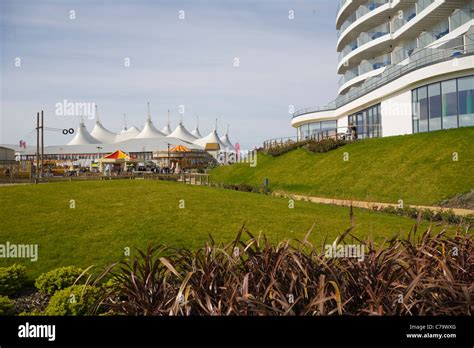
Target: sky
column 122, row 54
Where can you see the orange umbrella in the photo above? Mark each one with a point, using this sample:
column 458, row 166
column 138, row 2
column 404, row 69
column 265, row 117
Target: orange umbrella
column 180, row 148
column 117, row 155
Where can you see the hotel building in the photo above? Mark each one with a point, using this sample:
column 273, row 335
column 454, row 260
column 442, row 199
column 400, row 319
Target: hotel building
column 406, row 66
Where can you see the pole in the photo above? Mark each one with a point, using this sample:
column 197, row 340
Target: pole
column 37, row 145
column 42, row 143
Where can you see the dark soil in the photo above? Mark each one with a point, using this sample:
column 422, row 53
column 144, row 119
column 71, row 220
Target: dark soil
column 463, row 201
column 30, row 300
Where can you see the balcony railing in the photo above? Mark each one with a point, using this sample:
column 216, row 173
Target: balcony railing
column 363, row 9
column 420, row 59
column 365, row 37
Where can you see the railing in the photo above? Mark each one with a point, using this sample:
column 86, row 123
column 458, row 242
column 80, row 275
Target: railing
column 186, row 178
column 348, row 133
column 420, row 59
column 334, row 133
column 361, row 11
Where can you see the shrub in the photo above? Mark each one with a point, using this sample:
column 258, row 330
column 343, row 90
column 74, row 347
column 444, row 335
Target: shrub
column 57, row 279
column 324, row 145
column 12, row 279
column 7, row 306
column 75, row 300
column 279, row 150
column 240, row 187
column 256, row 277
column 447, row 216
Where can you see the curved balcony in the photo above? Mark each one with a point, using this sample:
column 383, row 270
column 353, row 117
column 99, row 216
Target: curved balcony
column 370, row 47
column 409, row 27
column 365, row 20
column 360, row 78
column 423, row 58
column 345, row 8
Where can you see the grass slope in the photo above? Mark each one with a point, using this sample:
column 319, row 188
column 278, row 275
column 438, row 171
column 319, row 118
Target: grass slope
column 112, row 215
column 416, row 168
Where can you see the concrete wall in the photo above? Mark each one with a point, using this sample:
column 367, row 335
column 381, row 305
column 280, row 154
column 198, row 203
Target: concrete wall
column 396, row 115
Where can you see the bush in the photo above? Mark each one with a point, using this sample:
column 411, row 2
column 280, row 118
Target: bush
column 75, row 300
column 240, row 187
column 7, row 306
column 256, row 277
column 447, row 216
column 12, row 279
column 324, row 145
column 57, row 279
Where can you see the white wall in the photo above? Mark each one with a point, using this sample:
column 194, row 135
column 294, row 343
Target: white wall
column 396, row 114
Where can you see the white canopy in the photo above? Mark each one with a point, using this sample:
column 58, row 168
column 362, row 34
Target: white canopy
column 83, row 137
column 149, row 131
column 226, row 141
column 182, row 133
column 127, row 133
column 212, row 137
column 166, row 129
column 196, row 131
column 102, row 134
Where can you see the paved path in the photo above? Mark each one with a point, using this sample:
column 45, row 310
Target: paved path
column 367, row 205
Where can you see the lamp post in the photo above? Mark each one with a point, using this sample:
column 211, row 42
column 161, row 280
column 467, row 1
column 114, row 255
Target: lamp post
column 98, row 159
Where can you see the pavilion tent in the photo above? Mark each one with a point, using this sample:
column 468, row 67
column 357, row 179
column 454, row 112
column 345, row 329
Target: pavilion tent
column 182, row 133
column 101, row 133
column 180, row 148
column 149, row 130
column 211, row 138
column 116, row 159
column 196, row 131
column 83, row 137
column 226, row 141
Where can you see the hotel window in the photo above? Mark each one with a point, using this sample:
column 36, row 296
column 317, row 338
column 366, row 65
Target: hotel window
column 423, row 109
column 306, row 130
column 415, row 111
column 444, row 105
column 366, row 123
column 466, row 101
column 434, row 95
column 450, row 104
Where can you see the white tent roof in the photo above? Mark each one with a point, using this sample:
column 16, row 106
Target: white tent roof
column 212, row 137
column 102, row 134
column 166, row 129
column 196, row 133
column 149, row 131
column 132, row 129
column 127, row 133
column 226, row 141
column 182, row 133
column 83, row 137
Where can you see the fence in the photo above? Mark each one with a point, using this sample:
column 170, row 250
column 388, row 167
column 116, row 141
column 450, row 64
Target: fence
column 186, row 178
column 330, row 133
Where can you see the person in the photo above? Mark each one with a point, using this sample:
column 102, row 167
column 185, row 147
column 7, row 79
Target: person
column 354, row 132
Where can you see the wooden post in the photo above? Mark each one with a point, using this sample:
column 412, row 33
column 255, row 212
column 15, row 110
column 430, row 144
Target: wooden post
column 37, row 145
column 42, row 143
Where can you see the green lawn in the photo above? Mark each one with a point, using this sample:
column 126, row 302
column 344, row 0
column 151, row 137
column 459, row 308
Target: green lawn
column 112, row 215
column 418, row 169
